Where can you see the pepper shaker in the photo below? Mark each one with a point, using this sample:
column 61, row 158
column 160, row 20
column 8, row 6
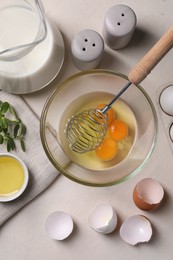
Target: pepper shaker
column 87, row 49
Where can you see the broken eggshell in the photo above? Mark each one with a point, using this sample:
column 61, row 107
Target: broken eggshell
column 148, row 194
column 59, row 225
column 136, row 229
column 103, row 219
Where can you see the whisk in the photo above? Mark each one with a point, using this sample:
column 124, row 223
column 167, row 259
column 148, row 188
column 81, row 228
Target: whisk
column 86, row 130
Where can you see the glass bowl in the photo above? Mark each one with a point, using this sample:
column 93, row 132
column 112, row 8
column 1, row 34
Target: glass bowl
column 85, row 90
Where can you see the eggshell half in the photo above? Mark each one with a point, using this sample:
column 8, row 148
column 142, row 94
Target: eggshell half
column 59, row 225
column 136, row 229
column 148, row 194
column 103, row 219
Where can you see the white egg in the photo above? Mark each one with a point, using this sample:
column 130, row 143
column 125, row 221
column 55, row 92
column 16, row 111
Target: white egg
column 103, row 219
column 136, row 229
column 166, row 100
column 171, row 132
column 59, row 225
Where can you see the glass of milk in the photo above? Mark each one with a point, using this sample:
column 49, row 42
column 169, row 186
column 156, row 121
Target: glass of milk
column 22, row 28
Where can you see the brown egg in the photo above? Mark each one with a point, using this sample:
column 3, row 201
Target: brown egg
column 148, row 194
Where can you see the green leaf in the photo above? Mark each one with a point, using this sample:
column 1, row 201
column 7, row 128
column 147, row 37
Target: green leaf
column 1, row 123
column 4, row 107
column 22, row 129
column 11, row 128
column 10, row 145
column 4, row 123
column 5, row 131
column 13, row 112
column 1, row 139
column 15, row 132
column 22, row 144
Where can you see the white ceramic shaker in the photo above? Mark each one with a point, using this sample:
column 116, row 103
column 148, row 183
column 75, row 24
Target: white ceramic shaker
column 87, row 49
column 119, row 25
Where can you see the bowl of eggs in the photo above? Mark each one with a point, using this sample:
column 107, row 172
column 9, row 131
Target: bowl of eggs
column 131, row 128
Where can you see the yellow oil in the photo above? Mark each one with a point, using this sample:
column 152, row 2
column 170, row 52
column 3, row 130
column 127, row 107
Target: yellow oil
column 123, row 111
column 11, row 176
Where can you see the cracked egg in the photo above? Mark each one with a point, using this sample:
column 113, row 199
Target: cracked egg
column 59, row 225
column 136, row 229
column 148, row 194
column 103, row 219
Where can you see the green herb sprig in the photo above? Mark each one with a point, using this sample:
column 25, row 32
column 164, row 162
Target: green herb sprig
column 11, row 127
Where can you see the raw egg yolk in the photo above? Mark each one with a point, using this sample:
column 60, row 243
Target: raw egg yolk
column 107, row 150
column 110, row 113
column 118, row 130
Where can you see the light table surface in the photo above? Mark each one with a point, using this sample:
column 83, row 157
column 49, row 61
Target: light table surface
column 24, row 236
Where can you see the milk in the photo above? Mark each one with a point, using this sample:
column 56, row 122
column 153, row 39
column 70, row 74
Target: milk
column 19, row 25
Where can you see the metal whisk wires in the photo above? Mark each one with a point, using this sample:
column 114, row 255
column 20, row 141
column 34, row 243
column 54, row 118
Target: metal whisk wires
column 86, row 130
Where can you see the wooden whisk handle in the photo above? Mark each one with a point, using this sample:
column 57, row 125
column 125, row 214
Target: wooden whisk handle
column 151, row 59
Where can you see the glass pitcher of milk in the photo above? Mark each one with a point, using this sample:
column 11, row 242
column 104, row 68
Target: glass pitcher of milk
column 31, row 47
column 22, row 28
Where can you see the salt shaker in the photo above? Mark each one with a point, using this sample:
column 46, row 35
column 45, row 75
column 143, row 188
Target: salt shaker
column 119, row 25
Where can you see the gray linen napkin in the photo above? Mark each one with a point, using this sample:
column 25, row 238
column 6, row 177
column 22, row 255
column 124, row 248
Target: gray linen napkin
column 41, row 171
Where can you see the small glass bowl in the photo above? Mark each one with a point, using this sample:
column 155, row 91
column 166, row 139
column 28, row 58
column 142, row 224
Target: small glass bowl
column 76, row 92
